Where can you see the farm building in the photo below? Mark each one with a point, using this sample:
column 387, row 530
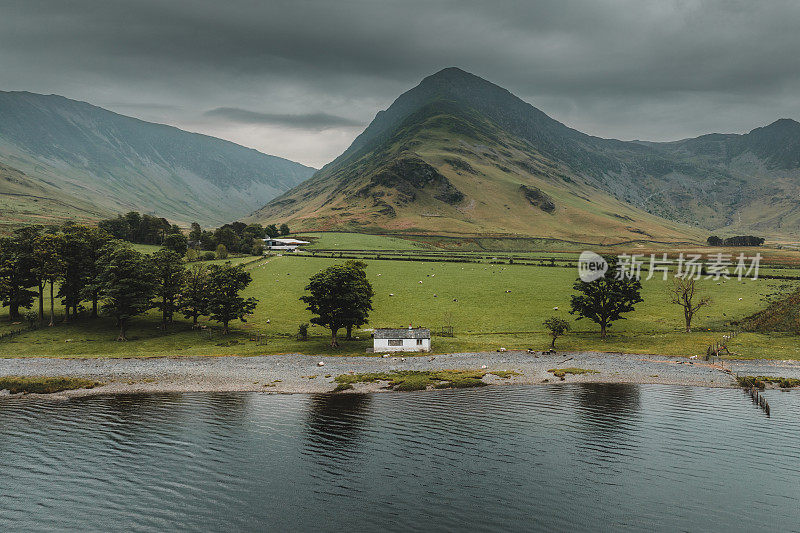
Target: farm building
column 290, row 245
column 402, row 340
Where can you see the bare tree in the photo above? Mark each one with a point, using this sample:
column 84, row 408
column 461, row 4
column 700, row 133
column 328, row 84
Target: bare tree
column 685, row 293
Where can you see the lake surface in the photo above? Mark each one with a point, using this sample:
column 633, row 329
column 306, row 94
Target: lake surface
column 555, row 458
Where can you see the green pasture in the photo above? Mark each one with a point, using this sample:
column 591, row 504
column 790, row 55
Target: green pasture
column 489, row 306
column 358, row 241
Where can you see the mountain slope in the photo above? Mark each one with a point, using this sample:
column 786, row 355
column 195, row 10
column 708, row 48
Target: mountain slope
column 458, row 154
column 24, row 200
column 117, row 163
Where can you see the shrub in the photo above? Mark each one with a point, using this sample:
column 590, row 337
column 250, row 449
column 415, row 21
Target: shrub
column 222, row 251
column 209, row 256
column 302, row 332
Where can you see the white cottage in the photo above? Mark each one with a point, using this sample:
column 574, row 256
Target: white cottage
column 289, row 245
column 402, row 340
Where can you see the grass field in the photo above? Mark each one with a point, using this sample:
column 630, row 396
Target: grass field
column 356, row 241
column 489, row 305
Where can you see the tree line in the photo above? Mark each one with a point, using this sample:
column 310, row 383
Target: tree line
column 236, row 237
column 86, row 268
column 738, row 240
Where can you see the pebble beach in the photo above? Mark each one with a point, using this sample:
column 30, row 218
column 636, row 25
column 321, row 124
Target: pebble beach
column 296, row 373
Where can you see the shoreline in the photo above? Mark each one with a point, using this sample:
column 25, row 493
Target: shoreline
column 295, row 373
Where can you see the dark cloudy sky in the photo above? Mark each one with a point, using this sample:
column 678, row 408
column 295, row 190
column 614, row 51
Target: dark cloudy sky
column 301, row 78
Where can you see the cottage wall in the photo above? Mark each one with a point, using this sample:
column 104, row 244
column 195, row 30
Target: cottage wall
column 408, row 345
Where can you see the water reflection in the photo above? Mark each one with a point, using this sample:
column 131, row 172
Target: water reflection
column 335, row 424
column 226, row 409
column 608, row 420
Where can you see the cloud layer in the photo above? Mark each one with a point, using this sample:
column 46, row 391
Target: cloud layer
column 312, row 121
column 298, row 79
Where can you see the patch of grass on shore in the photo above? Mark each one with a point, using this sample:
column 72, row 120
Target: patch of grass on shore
column 410, row 380
column 562, row 372
column 44, row 385
column 760, row 382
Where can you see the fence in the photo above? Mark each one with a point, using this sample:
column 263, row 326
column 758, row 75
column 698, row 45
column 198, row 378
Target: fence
column 444, row 331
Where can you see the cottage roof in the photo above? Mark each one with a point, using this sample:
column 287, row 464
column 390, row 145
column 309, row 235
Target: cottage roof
column 402, row 333
column 287, row 241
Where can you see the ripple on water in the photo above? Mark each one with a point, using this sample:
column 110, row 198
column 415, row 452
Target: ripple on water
column 512, row 458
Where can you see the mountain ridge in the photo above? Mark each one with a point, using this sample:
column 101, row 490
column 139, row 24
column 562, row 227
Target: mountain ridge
column 716, row 179
column 77, row 149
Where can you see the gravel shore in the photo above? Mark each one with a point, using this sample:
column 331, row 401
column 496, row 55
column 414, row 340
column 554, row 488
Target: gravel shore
column 295, row 373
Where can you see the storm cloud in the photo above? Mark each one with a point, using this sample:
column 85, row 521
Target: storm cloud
column 299, row 79
column 314, row 121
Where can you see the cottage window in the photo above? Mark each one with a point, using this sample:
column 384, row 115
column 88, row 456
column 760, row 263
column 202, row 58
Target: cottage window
column 419, row 342
column 395, row 342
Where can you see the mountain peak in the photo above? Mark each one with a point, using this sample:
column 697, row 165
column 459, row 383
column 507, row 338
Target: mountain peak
column 780, row 126
column 452, row 73
column 455, row 81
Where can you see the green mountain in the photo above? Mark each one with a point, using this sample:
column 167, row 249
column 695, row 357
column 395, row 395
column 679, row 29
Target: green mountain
column 72, row 153
column 460, row 155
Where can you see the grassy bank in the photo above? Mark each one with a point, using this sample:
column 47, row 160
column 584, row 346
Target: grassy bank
column 410, row 380
column 43, row 385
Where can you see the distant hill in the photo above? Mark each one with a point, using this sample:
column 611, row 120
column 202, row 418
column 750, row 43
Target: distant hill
column 458, row 154
column 71, row 153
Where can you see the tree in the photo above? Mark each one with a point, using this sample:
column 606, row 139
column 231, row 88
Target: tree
column 15, row 277
column 127, row 284
column 25, row 239
column 176, row 242
column 208, row 241
column 227, row 237
column 225, row 282
column 557, row 327
column 272, row 231
column 254, row 231
column 169, row 277
column 687, row 295
column 194, row 295
column 222, row 252
column 195, row 233
column 116, row 227
column 360, row 311
column 339, row 296
column 100, row 243
column 77, row 256
column 604, row 300
column 134, row 220
column 284, row 229
column 714, row 241
column 49, row 264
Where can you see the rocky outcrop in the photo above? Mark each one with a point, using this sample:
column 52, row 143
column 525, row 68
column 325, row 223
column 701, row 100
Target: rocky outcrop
column 538, row 198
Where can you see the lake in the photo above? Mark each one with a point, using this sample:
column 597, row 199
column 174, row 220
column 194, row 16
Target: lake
column 552, row 457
